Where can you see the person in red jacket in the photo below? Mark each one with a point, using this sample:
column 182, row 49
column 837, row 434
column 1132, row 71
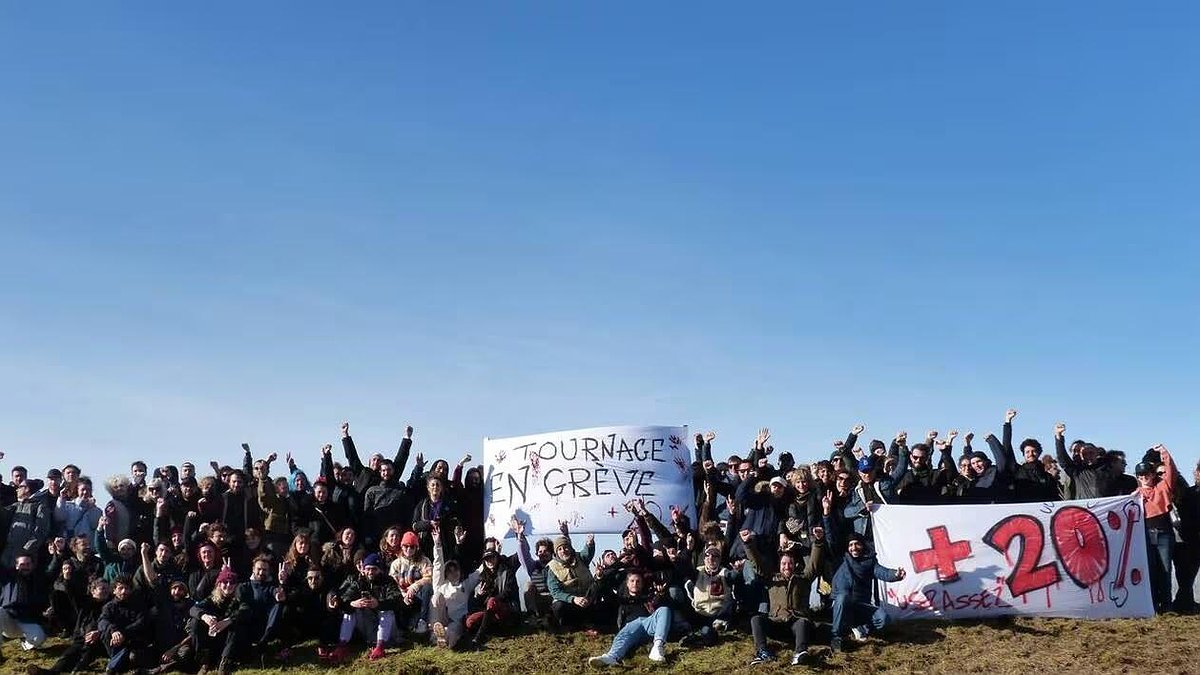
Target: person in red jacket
column 1157, row 495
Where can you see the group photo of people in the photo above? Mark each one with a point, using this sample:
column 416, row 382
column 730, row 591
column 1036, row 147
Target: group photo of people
column 205, row 566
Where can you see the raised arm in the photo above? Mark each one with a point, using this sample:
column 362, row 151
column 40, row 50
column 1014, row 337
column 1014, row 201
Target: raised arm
column 352, row 459
column 327, row 465
column 1060, row 448
column 1167, row 484
column 401, row 459
column 1002, row 464
column 1007, row 440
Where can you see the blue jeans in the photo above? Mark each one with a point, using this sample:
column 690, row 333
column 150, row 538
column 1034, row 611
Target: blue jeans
column 640, row 631
column 1160, row 543
column 848, row 614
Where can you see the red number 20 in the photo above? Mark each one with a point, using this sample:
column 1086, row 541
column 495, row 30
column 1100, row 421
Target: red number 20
column 1027, row 575
column 1079, row 542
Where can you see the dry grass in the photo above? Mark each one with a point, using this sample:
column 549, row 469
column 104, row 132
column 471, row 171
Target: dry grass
column 1166, row 644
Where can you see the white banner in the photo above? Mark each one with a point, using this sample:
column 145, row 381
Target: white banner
column 1083, row 559
column 585, row 477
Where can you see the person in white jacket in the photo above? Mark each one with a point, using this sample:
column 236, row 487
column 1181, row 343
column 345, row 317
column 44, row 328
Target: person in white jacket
column 450, row 594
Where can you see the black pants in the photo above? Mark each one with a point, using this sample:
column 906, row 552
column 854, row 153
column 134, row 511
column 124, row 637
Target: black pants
column 78, row 656
column 1187, row 563
column 211, row 650
column 762, row 628
column 569, row 614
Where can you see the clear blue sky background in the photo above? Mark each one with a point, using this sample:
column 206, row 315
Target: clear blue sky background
column 227, row 222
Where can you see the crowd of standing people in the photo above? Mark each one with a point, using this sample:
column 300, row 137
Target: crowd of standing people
column 190, row 569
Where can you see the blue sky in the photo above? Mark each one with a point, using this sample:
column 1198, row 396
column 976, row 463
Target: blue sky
column 226, row 223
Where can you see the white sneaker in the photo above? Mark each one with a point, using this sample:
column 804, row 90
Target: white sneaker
column 858, row 634
column 720, row 625
column 798, row 657
column 657, row 653
column 602, row 661
column 422, row 627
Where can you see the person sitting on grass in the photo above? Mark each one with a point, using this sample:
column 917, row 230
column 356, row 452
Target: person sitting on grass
column 86, row 643
column 215, row 627
column 644, row 616
column 711, row 595
column 853, row 611
column 783, row 598
column 570, row 581
column 536, row 592
column 450, row 593
column 124, row 627
column 368, row 602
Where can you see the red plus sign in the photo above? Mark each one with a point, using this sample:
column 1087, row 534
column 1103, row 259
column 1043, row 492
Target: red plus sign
column 942, row 555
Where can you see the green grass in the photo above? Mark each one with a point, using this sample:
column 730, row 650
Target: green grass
column 1161, row 645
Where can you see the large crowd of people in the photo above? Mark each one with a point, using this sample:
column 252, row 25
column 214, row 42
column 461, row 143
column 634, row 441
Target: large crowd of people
column 203, row 568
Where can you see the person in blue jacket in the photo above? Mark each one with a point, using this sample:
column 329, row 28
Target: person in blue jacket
column 854, row 613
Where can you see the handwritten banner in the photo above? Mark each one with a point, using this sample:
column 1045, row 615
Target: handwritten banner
column 585, row 477
column 1082, row 559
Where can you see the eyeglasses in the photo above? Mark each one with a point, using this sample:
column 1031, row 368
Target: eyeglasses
column 917, row 458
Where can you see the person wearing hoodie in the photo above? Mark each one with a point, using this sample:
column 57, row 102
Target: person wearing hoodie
column 854, row 613
column 451, row 593
column 413, row 573
column 368, row 602
column 300, row 503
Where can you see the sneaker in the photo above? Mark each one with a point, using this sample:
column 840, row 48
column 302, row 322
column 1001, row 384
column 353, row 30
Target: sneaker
column 658, row 653
column 422, row 627
column 763, row 656
column 439, row 633
column 323, row 652
column 376, row 653
column 339, row 653
column 602, row 661
column 799, row 657
column 720, row 625
column 836, row 645
column 858, row 633
column 689, row 640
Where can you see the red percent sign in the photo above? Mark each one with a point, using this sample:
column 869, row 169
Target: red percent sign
column 1079, row 543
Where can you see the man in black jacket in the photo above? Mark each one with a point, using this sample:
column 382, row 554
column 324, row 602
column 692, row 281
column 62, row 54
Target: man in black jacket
column 1091, row 475
column 1031, row 482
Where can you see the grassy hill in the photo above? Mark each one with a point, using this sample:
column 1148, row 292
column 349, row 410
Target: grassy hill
column 1166, row 644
